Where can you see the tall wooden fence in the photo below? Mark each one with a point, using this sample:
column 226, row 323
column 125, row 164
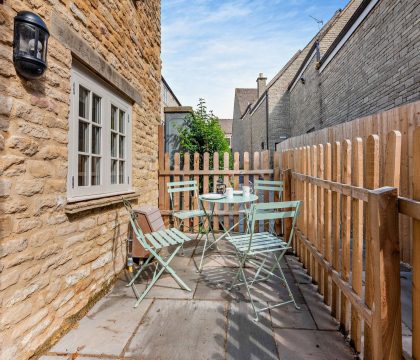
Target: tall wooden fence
column 403, row 119
column 349, row 225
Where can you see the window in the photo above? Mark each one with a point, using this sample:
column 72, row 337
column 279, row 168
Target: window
column 99, row 139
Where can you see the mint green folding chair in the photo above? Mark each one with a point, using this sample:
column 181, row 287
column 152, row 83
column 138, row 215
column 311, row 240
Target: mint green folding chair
column 271, row 186
column 179, row 217
column 250, row 247
column 154, row 242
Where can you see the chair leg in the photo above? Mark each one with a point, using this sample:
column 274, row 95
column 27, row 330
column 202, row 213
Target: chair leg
column 249, row 292
column 287, row 285
column 139, row 271
column 164, row 266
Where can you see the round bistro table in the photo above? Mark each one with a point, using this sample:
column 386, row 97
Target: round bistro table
column 241, row 200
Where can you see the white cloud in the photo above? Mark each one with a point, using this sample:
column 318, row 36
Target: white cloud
column 210, row 47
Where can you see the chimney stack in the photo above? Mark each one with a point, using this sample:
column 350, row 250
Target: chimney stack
column 261, row 84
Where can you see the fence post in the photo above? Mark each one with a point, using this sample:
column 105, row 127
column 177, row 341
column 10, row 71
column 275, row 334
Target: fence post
column 287, row 196
column 416, row 247
column 386, row 342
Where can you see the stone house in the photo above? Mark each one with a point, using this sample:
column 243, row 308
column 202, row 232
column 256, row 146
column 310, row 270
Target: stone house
column 72, row 142
column 339, row 75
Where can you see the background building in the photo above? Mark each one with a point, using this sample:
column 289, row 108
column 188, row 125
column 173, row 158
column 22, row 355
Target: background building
column 363, row 60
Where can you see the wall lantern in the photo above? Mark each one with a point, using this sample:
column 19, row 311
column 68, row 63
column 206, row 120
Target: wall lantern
column 30, row 45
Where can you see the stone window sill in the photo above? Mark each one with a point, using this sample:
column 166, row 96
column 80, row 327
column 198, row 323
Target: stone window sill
column 84, row 205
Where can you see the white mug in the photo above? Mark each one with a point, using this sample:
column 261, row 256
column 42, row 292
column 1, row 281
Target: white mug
column 246, row 190
column 229, row 192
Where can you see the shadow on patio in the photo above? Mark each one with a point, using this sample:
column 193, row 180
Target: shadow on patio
column 209, row 322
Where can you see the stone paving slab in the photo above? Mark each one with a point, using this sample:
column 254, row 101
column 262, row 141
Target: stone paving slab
column 287, row 316
column 312, row 344
column 106, row 329
column 211, row 322
column 248, row 339
column 180, row 330
column 319, row 311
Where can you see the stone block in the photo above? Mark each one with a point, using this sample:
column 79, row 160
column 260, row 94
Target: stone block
column 12, row 246
column 29, row 187
column 9, row 278
column 25, row 145
column 5, row 187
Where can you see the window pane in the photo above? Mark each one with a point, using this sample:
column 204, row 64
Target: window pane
column 96, row 170
column 83, row 136
column 96, row 140
column 96, row 109
column 83, row 172
column 83, row 102
column 114, row 115
column 121, row 174
column 121, row 146
column 122, row 123
column 114, row 171
column 114, row 144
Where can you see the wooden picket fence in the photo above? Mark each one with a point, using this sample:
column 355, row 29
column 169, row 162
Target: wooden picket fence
column 404, row 119
column 181, row 168
column 349, row 225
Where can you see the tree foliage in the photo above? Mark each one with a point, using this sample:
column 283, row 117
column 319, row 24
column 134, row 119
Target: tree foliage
column 202, row 133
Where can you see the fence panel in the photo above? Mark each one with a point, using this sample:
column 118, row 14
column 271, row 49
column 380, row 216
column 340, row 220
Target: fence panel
column 403, row 119
column 338, row 183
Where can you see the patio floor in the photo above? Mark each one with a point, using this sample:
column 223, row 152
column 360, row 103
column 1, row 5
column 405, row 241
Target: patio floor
column 209, row 322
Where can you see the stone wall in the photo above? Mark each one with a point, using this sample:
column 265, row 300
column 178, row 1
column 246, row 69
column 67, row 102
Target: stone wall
column 52, row 262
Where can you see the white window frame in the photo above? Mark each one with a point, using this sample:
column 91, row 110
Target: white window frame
column 80, row 76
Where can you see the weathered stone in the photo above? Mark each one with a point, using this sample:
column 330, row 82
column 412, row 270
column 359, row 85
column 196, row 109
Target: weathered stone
column 55, row 186
column 26, row 145
column 5, row 186
column 29, row 187
column 9, row 160
column 34, row 130
column 77, row 276
column 5, row 227
column 26, row 225
column 39, row 169
column 13, row 246
column 53, row 152
column 2, row 142
column 66, row 229
column 9, row 278
column 16, row 314
column 6, row 104
column 102, row 261
column 50, row 250
column 29, row 323
column 14, row 206
column 87, row 224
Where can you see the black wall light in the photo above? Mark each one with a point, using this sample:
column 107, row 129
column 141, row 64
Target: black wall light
column 30, row 45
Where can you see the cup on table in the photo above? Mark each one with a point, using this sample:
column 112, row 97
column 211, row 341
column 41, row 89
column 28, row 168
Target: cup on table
column 246, row 190
column 229, row 192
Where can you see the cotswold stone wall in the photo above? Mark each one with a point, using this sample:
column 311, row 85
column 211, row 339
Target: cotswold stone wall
column 52, row 262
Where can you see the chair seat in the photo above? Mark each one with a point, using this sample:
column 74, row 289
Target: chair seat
column 187, row 214
column 164, row 238
column 261, row 242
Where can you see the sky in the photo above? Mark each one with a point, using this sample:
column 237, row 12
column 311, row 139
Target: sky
column 211, row 47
